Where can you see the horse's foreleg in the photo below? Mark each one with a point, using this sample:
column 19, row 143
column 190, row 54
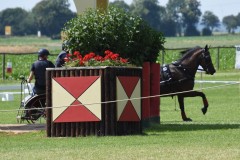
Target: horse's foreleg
column 205, row 103
column 204, row 99
column 181, row 104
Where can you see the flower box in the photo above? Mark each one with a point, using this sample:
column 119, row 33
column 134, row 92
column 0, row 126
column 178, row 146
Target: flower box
column 98, row 101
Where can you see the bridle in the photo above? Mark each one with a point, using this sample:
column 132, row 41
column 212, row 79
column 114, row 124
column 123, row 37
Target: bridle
column 207, row 60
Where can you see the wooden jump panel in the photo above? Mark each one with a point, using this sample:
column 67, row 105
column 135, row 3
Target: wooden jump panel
column 108, row 125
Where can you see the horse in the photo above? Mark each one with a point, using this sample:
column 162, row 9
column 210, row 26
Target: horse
column 177, row 78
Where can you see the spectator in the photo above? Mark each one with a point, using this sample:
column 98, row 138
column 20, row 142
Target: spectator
column 60, row 58
column 38, row 71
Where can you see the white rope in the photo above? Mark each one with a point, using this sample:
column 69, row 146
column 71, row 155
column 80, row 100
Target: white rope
column 114, row 101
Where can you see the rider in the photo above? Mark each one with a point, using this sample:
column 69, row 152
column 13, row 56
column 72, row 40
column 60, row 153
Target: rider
column 60, row 58
column 38, row 71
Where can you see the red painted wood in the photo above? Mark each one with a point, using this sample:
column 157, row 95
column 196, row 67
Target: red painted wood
column 146, row 90
column 129, row 84
column 129, row 113
column 77, row 113
column 76, row 85
column 155, row 90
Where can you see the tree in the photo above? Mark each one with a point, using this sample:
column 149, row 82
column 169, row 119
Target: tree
column 185, row 13
column 18, row 19
column 206, row 32
column 230, row 22
column 210, row 20
column 191, row 14
column 173, row 9
column 120, row 4
column 52, row 15
column 238, row 19
column 148, row 10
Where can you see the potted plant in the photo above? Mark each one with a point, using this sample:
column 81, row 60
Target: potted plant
column 107, row 50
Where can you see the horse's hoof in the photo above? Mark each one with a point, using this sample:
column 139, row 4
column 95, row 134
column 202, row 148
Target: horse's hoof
column 187, row 119
column 204, row 110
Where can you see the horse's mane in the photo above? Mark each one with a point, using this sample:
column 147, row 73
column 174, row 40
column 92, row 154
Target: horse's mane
column 187, row 53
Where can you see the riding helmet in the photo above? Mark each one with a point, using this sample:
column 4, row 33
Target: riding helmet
column 43, row 52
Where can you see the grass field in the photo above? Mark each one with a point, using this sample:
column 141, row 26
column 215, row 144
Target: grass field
column 24, row 44
column 215, row 135
column 213, row 41
column 211, row 136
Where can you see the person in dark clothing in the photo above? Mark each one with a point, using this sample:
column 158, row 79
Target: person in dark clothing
column 60, row 58
column 38, row 71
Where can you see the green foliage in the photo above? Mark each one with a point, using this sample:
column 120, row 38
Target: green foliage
column 20, row 20
column 120, row 4
column 190, row 12
column 191, row 30
column 115, row 30
column 231, row 23
column 206, row 32
column 210, row 20
column 186, row 14
column 50, row 16
column 238, row 19
column 149, row 10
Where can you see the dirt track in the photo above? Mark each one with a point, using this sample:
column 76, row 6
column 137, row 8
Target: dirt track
column 21, row 128
column 17, row 49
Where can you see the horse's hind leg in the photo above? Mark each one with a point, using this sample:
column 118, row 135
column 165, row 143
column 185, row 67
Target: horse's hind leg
column 181, row 104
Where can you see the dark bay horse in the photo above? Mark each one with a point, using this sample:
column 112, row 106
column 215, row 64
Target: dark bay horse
column 177, row 78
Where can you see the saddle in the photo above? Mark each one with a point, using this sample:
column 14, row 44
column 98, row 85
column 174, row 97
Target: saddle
column 166, row 76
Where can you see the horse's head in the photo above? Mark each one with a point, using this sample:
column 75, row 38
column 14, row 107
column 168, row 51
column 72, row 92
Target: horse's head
column 206, row 61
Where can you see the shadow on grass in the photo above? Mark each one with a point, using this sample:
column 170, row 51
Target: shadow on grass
column 189, row 127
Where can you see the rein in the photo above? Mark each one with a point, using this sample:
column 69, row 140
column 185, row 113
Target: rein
column 185, row 69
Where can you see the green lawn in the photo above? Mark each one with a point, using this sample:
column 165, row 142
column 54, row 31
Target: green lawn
column 215, row 135
column 213, row 41
column 21, row 63
column 211, row 136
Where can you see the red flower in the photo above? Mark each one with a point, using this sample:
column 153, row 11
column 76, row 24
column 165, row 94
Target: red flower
column 114, row 56
column 76, row 53
column 98, row 58
column 123, row 60
column 110, row 58
column 81, row 63
column 107, row 52
column 86, row 57
column 91, row 54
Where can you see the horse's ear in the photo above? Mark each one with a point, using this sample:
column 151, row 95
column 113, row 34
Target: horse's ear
column 206, row 47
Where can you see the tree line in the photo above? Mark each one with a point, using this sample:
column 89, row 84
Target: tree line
column 178, row 18
column 47, row 16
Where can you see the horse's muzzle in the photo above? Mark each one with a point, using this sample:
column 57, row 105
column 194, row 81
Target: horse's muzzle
column 212, row 73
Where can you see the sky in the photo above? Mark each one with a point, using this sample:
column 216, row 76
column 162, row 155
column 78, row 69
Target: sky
column 220, row 8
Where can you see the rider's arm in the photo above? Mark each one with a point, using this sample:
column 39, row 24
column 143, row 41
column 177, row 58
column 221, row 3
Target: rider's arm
column 30, row 77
